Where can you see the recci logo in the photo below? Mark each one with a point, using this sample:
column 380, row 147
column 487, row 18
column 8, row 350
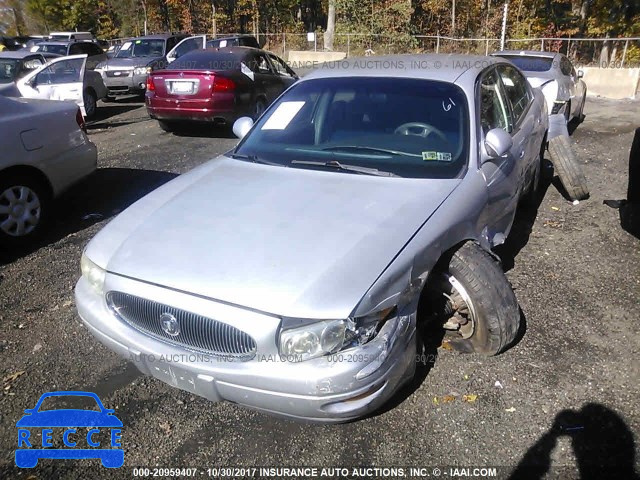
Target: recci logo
column 57, row 433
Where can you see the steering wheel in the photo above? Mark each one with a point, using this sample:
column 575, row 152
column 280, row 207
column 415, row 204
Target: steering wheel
column 419, row 129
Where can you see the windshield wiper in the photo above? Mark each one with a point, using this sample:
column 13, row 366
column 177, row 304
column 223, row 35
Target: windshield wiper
column 369, row 149
column 347, row 168
column 254, row 159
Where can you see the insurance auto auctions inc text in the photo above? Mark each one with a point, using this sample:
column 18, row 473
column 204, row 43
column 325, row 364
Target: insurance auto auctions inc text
column 368, row 472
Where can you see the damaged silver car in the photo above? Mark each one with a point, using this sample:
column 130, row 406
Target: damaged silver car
column 290, row 274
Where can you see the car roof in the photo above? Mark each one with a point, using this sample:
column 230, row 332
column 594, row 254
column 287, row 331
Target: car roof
column 18, row 54
column 57, row 42
column 440, row 67
column 157, row 36
column 527, row 53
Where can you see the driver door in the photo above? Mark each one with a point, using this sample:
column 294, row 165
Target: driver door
column 502, row 174
column 185, row 46
column 60, row 79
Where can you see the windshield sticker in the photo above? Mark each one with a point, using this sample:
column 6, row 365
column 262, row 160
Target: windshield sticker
column 125, row 46
column 138, row 42
column 246, row 70
column 282, row 116
column 436, row 156
column 223, row 43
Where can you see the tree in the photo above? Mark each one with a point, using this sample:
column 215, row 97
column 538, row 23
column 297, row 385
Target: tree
column 331, row 25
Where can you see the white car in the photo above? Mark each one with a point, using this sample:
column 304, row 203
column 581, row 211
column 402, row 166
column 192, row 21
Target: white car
column 65, row 78
column 45, row 151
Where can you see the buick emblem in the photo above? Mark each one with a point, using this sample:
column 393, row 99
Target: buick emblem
column 169, row 324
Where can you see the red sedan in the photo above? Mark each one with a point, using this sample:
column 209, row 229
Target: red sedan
column 216, row 85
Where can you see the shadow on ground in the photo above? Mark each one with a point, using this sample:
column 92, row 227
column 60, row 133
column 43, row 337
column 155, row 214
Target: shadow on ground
column 602, row 442
column 201, row 129
column 101, row 195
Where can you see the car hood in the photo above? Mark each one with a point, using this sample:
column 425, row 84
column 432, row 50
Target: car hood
column 69, row 418
column 120, row 63
column 287, row 241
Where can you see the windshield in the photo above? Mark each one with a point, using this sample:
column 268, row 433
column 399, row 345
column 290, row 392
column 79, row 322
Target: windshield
column 51, row 48
column 8, row 70
column 406, row 127
column 530, row 64
column 141, row 48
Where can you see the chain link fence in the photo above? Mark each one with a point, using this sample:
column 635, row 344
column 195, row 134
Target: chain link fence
column 602, row 52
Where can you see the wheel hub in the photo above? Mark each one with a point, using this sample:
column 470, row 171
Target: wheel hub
column 19, row 211
column 458, row 312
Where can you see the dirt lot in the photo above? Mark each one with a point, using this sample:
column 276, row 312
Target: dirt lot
column 564, row 399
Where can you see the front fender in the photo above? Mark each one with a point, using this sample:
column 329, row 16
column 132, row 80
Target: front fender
column 457, row 220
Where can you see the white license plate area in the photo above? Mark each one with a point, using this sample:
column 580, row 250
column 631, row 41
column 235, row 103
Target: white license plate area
column 183, row 87
column 174, row 376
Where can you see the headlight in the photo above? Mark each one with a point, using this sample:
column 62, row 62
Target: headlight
column 141, row 70
column 329, row 336
column 93, row 273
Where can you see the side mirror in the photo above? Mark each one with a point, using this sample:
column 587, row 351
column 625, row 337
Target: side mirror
column 242, row 126
column 497, row 142
column 580, row 74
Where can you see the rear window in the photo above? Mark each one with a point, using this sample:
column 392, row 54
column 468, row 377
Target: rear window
column 207, row 60
column 530, row 64
column 51, row 48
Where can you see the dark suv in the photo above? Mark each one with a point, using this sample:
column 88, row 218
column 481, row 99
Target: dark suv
column 234, row 41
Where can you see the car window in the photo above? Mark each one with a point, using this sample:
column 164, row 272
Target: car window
column 515, row 86
column 528, row 63
column 410, row 127
column 565, row 66
column 76, row 49
column 141, row 48
column 188, row 45
column 47, row 47
column 66, row 71
column 8, row 70
column 30, row 64
column 260, row 64
column 494, row 109
column 279, row 66
column 93, row 49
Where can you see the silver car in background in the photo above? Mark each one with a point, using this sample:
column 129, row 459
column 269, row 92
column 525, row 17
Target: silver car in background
column 290, row 275
column 552, row 72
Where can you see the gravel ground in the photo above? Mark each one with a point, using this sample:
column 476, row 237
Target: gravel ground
column 564, row 399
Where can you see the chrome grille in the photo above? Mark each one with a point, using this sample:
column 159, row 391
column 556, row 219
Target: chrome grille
column 197, row 333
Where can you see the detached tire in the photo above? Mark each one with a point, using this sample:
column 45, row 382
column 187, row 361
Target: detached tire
column 25, row 202
column 567, row 167
column 472, row 293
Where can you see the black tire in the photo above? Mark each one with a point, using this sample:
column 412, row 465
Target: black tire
column 490, row 309
column 166, row 126
column 530, row 198
column 90, row 103
column 10, row 235
column 567, row 167
column 581, row 115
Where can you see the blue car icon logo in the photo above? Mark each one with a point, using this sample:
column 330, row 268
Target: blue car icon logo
column 98, row 424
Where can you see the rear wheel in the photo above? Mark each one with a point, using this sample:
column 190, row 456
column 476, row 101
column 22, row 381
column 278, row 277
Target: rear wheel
column 469, row 295
column 567, row 167
column 166, row 126
column 24, row 207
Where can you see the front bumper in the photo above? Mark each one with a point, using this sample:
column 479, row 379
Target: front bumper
column 125, row 85
column 325, row 389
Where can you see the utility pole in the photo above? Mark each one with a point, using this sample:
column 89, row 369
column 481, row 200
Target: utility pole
column 504, row 26
column 213, row 19
column 453, row 17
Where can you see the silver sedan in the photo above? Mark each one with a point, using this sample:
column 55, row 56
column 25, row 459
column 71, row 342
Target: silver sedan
column 290, row 275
